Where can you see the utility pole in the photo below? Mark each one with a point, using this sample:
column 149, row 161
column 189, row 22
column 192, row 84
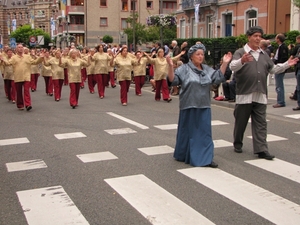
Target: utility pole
column 160, row 27
column 133, row 23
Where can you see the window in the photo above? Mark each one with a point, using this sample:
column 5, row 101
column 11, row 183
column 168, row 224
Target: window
column 170, row 5
column 77, row 2
column 14, row 16
column 195, row 28
column 124, row 24
column 182, row 28
column 103, row 3
column 8, row 16
column 133, row 5
column 251, row 18
column 103, row 21
column 26, row 15
column 76, row 19
column 20, row 16
column 149, row 5
column 124, row 5
column 210, row 27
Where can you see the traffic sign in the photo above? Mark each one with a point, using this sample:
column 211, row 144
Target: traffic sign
column 13, row 43
column 32, row 39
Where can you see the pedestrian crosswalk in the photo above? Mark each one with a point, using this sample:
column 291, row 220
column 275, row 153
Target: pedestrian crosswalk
column 157, row 204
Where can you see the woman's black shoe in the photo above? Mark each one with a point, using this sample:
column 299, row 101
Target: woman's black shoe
column 212, row 165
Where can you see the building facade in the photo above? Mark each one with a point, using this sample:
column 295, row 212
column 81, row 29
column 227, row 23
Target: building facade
column 87, row 21
column 221, row 18
column 16, row 13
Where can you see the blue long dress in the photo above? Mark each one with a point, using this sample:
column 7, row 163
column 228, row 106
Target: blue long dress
column 194, row 144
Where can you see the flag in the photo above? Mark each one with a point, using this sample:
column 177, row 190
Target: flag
column 14, row 24
column 197, row 13
column 32, row 18
column 8, row 27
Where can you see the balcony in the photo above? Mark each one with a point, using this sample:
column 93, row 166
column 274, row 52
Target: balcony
column 169, row 11
column 74, row 28
column 190, row 4
column 75, row 10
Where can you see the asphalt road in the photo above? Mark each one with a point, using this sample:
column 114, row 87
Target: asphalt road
column 125, row 185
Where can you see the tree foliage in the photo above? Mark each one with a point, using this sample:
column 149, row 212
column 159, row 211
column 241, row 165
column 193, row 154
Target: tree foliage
column 296, row 3
column 22, row 35
column 107, row 39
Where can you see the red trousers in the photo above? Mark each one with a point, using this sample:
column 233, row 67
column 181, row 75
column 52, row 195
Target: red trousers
column 19, row 90
column 162, row 85
column 34, row 80
column 101, row 83
column 10, row 89
column 112, row 78
column 139, row 83
column 92, row 81
column 48, row 85
column 57, row 84
column 66, row 79
column 74, row 93
column 83, row 76
column 124, row 84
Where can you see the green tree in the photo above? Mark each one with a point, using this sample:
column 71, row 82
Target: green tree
column 296, row 3
column 107, row 39
column 22, row 35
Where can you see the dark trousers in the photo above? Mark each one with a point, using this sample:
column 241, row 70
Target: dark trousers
column 11, row 89
column 162, row 85
column 57, row 84
column 124, row 84
column 19, row 89
column 257, row 111
column 229, row 90
column 48, row 85
column 66, row 78
column 101, row 83
column 92, row 81
column 34, row 80
column 139, row 83
column 74, row 93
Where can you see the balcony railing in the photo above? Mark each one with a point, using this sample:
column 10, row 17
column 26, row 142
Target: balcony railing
column 189, row 4
column 74, row 27
column 169, row 11
column 75, row 9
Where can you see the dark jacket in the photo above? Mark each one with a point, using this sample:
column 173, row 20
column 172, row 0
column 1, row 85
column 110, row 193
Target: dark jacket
column 283, row 54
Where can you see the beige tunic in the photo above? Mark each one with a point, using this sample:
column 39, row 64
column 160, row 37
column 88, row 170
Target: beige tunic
column 46, row 70
column 101, row 61
column 124, row 67
column 90, row 70
column 8, row 72
column 139, row 69
column 57, row 71
column 161, row 67
column 22, row 66
column 34, row 68
column 74, row 69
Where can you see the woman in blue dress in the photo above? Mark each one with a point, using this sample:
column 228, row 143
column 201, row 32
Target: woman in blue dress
column 194, row 144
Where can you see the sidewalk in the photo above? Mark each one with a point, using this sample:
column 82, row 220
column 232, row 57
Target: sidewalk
column 289, row 85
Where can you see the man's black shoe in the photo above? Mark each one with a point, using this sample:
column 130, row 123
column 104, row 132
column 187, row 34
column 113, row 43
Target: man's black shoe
column 28, row 108
column 212, row 165
column 265, row 155
column 238, row 150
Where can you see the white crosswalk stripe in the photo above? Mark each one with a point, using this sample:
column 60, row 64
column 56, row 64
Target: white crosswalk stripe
column 48, row 206
column 263, row 202
column 156, row 204
column 120, row 131
column 293, row 116
column 26, row 165
column 97, row 156
column 141, row 126
column 279, row 167
column 14, row 141
column 69, row 135
column 272, row 137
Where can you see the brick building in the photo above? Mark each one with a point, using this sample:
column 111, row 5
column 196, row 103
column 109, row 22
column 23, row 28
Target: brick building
column 221, row 18
column 15, row 13
column 88, row 21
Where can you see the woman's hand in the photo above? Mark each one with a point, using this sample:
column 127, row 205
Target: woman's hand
column 169, row 60
column 227, row 58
